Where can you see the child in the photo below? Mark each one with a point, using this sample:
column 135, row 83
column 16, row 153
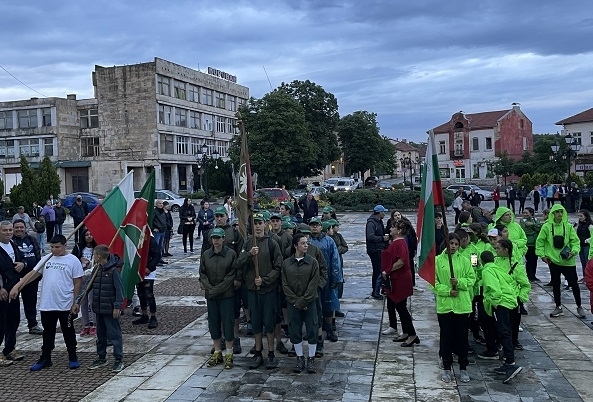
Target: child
column 107, row 303
column 40, row 230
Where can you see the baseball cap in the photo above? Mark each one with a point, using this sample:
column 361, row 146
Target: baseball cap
column 275, row 215
column 288, row 205
column 315, row 220
column 325, row 225
column 220, row 211
column 327, row 210
column 267, row 215
column 493, row 232
column 259, row 217
column 380, row 208
column 217, row 232
column 333, row 222
column 288, row 225
column 303, row 228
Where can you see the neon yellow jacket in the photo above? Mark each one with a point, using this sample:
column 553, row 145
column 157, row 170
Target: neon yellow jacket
column 467, row 253
column 466, row 277
column 519, row 275
column 544, row 245
column 499, row 287
column 516, row 232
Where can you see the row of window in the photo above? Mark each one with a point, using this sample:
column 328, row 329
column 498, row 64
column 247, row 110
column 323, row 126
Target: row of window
column 185, row 145
column 175, row 116
column 29, row 147
column 193, row 93
column 25, row 118
column 459, row 145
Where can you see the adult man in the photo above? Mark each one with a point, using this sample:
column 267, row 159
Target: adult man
column 36, row 210
column 586, row 197
column 562, row 192
column 476, row 212
column 261, row 287
column 159, row 225
column 376, row 239
column 11, row 264
column 511, row 196
column 22, row 215
column 522, row 195
column 309, row 207
column 31, row 252
column 78, row 211
column 62, row 282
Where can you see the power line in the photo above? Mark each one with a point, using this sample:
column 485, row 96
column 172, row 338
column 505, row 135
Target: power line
column 9, row 73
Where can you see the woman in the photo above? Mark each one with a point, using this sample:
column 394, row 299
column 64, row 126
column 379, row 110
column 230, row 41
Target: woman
column 395, row 216
column 169, row 232
column 536, row 197
column 205, row 218
column 84, row 252
column 531, row 227
column 412, row 243
column 395, row 269
column 453, row 304
column 60, row 213
column 474, row 198
column 187, row 217
column 584, row 235
column 496, row 197
column 50, row 219
column 465, row 219
column 295, row 205
column 228, row 205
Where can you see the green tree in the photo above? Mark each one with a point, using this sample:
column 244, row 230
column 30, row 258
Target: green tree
column 527, row 181
column 361, row 142
column 48, row 181
column 544, row 161
column 589, row 179
column 386, row 162
column 221, row 179
column 525, row 165
column 504, row 166
column 26, row 191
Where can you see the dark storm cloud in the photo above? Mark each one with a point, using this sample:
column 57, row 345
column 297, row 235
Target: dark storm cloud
column 413, row 63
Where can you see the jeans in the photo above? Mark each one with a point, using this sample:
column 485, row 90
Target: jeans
column 453, row 337
column 49, row 320
column 404, row 316
column 503, row 327
column 86, row 309
column 375, row 257
column 29, row 295
column 109, row 328
column 41, row 241
column 145, row 291
column 10, row 316
column 160, row 238
column 570, row 273
column 58, row 228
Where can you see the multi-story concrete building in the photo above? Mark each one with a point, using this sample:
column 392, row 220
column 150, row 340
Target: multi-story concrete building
column 154, row 115
column 468, row 144
column 580, row 127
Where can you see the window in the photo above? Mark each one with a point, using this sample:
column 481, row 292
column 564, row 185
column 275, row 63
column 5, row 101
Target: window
column 445, row 173
column 193, row 93
column 195, row 146
column 231, row 103
column 488, row 143
column 230, row 126
column 89, row 146
column 475, row 144
column 223, row 147
column 180, row 117
column 458, row 147
column 207, row 122
column 164, row 85
column 211, row 146
column 591, row 137
column 48, row 147
column 179, row 89
column 220, row 100
column 27, row 118
column 220, row 124
column 194, row 119
column 460, row 173
column 6, row 120
column 182, row 145
column 476, row 171
column 89, row 118
column 46, row 117
column 167, row 144
column 442, row 147
column 165, row 114
column 207, row 97
column 577, row 136
column 241, row 102
column 29, row 147
column 6, row 148
column 525, row 147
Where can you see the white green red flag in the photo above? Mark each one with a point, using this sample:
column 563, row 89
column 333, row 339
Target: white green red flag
column 431, row 196
column 245, row 185
column 136, row 234
column 104, row 221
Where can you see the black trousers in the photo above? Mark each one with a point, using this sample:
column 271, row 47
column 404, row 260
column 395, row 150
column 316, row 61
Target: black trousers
column 145, row 290
column 503, row 327
column 29, row 295
column 188, row 232
column 78, row 233
column 404, row 316
column 457, row 213
column 49, row 229
column 515, row 322
column 453, row 336
column 10, row 316
column 531, row 262
column 49, row 320
column 535, row 205
column 488, row 324
column 570, row 273
column 521, row 205
column 375, row 257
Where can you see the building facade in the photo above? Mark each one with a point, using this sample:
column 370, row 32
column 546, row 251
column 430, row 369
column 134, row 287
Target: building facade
column 468, row 144
column 409, row 161
column 580, row 126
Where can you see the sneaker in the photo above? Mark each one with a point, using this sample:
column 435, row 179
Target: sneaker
column 93, row 331
column 339, row 314
column 520, row 328
column 332, row 336
column 117, row 367
column 376, row 296
column 36, row 330
column 142, row 320
column 582, row 280
column 252, row 350
column 271, row 362
column 581, row 312
column 256, row 361
column 292, row 352
column 153, row 323
column 97, row 363
column 518, row 346
column 447, row 376
column 237, row 346
column 73, row 364
column 480, row 341
column 300, row 364
column 389, row 331
column 319, row 351
column 567, row 287
column 311, row 365
column 41, row 364
column 215, row 360
column 501, row 370
column 557, row 312
column 281, row 348
column 5, row 361
column 228, row 361
column 512, row 371
column 136, row 312
column 463, row 376
column 15, row 356
column 523, row 311
column 488, row 355
column 85, row 331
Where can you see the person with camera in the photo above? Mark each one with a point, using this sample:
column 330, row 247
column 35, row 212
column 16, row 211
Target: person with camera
column 557, row 245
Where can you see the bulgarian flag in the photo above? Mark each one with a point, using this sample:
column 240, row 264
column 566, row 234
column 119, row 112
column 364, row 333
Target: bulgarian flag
column 431, row 196
column 104, row 221
column 136, row 235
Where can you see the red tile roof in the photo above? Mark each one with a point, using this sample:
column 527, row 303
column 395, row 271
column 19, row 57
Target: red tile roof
column 477, row 121
column 582, row 117
column 405, row 147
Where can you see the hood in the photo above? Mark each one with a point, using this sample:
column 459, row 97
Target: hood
column 114, row 261
column 557, row 207
column 500, row 212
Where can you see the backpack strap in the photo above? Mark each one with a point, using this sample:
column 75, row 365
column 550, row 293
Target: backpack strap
column 513, row 268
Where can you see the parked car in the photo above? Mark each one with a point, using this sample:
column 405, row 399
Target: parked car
column 318, row 191
column 484, row 195
column 275, row 193
column 331, row 182
column 91, row 199
column 300, row 190
column 371, row 181
column 174, row 200
column 345, row 185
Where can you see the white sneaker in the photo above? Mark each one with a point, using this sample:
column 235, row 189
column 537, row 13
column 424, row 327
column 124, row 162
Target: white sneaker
column 520, row 328
column 389, row 331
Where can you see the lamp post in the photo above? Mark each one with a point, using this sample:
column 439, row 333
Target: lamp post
column 204, row 158
column 419, row 162
column 572, row 151
column 407, row 163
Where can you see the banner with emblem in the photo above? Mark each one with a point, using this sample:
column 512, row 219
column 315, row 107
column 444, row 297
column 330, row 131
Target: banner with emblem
column 244, row 183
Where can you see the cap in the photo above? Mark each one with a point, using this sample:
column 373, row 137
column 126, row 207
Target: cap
column 217, row 232
column 259, row 217
column 288, row 225
column 275, row 215
column 286, row 219
column 333, row 222
column 266, row 214
column 303, row 228
column 79, row 197
column 220, row 211
column 327, row 210
column 315, row 220
column 288, row 205
column 325, row 225
column 493, row 232
column 380, row 208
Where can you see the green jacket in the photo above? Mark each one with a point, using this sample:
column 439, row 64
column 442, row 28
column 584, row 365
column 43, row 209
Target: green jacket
column 531, row 231
column 269, row 265
column 499, row 287
column 463, row 271
column 544, row 245
column 232, row 239
column 217, row 273
column 300, row 280
column 519, row 275
column 285, row 243
column 516, row 233
column 467, row 253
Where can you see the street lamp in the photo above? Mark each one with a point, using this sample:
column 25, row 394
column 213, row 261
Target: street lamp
column 407, row 163
column 204, row 158
column 573, row 148
column 419, row 162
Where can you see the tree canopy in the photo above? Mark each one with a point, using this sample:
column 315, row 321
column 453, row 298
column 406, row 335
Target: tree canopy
column 35, row 185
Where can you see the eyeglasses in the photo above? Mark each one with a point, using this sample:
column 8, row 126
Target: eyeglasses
column 218, row 215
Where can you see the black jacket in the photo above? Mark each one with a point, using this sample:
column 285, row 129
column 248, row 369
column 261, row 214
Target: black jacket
column 374, row 234
column 309, row 211
column 154, row 254
column 107, row 288
column 187, row 211
column 9, row 276
column 79, row 212
column 60, row 215
column 29, row 247
column 159, row 220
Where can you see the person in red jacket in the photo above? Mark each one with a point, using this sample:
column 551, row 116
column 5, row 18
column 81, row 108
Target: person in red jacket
column 496, row 197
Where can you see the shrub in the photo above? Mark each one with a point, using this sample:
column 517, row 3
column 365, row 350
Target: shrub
column 367, row 199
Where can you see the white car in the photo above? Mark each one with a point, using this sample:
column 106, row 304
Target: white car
column 345, row 185
column 174, row 200
column 485, row 195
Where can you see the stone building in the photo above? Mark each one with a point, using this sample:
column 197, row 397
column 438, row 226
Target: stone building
column 580, row 127
column 154, row 115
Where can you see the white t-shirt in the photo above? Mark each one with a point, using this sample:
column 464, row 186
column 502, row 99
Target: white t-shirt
column 9, row 250
column 57, row 288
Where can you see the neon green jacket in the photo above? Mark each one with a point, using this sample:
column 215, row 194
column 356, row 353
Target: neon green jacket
column 544, row 245
column 590, row 248
column 466, row 277
column 499, row 287
column 516, row 233
column 519, row 275
column 467, row 253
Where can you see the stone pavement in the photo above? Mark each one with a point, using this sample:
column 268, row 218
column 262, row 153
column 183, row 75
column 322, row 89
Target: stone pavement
column 168, row 363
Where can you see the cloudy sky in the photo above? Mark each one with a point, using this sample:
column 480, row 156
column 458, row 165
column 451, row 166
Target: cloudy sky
column 414, row 63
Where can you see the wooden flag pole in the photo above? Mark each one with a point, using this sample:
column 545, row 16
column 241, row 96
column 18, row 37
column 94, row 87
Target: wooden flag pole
column 81, row 224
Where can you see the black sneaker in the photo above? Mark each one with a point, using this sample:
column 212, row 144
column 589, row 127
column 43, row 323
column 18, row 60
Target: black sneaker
column 518, row 346
column 271, row 362
column 153, row 323
column 311, row 365
column 97, row 363
column 523, row 311
column 339, row 314
column 511, row 372
column 300, row 364
column 142, row 320
column 292, row 352
column 117, row 367
column 376, row 296
column 256, row 361
column 237, row 346
column 488, row 355
column 319, row 351
column 501, row 370
column 136, row 312
column 281, row 348
column 332, row 336
column 480, row 341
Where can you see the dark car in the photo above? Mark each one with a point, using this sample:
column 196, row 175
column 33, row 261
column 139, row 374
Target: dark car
column 371, row 181
column 91, row 199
